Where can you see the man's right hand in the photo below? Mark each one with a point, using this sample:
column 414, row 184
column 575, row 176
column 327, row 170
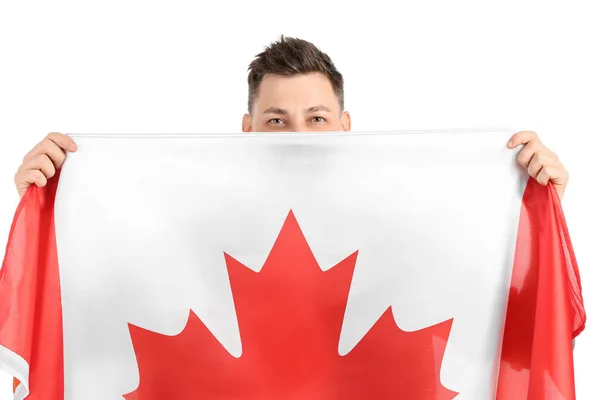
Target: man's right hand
column 42, row 162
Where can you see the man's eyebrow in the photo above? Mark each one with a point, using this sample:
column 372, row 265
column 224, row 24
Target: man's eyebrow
column 317, row 108
column 275, row 110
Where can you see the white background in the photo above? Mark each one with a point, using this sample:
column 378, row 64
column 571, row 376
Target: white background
column 175, row 66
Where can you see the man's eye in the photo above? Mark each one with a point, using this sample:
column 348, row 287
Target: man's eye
column 276, row 121
column 318, row 120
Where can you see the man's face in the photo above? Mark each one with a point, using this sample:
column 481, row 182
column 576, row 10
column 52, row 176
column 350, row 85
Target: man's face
column 301, row 103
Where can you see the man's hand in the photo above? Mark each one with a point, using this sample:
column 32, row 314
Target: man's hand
column 42, row 162
column 541, row 163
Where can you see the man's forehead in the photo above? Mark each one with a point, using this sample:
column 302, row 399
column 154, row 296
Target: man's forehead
column 309, row 92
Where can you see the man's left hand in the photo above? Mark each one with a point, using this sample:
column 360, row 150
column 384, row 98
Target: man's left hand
column 541, row 163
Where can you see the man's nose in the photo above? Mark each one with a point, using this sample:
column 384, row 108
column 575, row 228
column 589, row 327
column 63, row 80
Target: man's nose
column 298, row 125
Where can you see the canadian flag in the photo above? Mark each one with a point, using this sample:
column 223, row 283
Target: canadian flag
column 367, row 265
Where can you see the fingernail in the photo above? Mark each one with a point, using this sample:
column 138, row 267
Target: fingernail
column 510, row 143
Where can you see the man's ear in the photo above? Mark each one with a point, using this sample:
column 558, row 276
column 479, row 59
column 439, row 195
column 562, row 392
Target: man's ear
column 346, row 121
column 247, row 123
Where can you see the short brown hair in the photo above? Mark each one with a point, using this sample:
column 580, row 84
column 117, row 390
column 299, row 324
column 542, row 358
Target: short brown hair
column 292, row 56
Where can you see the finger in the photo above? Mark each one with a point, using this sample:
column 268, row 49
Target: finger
column 520, row 138
column 541, row 160
column 30, row 177
column 43, row 163
column 553, row 174
column 63, row 141
column 535, row 166
column 59, row 140
column 49, row 148
column 527, row 152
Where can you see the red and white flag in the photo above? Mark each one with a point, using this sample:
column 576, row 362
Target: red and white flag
column 369, row 265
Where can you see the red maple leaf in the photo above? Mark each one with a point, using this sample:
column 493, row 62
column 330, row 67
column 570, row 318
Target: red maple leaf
column 290, row 317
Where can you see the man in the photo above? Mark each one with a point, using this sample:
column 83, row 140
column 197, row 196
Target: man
column 292, row 87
